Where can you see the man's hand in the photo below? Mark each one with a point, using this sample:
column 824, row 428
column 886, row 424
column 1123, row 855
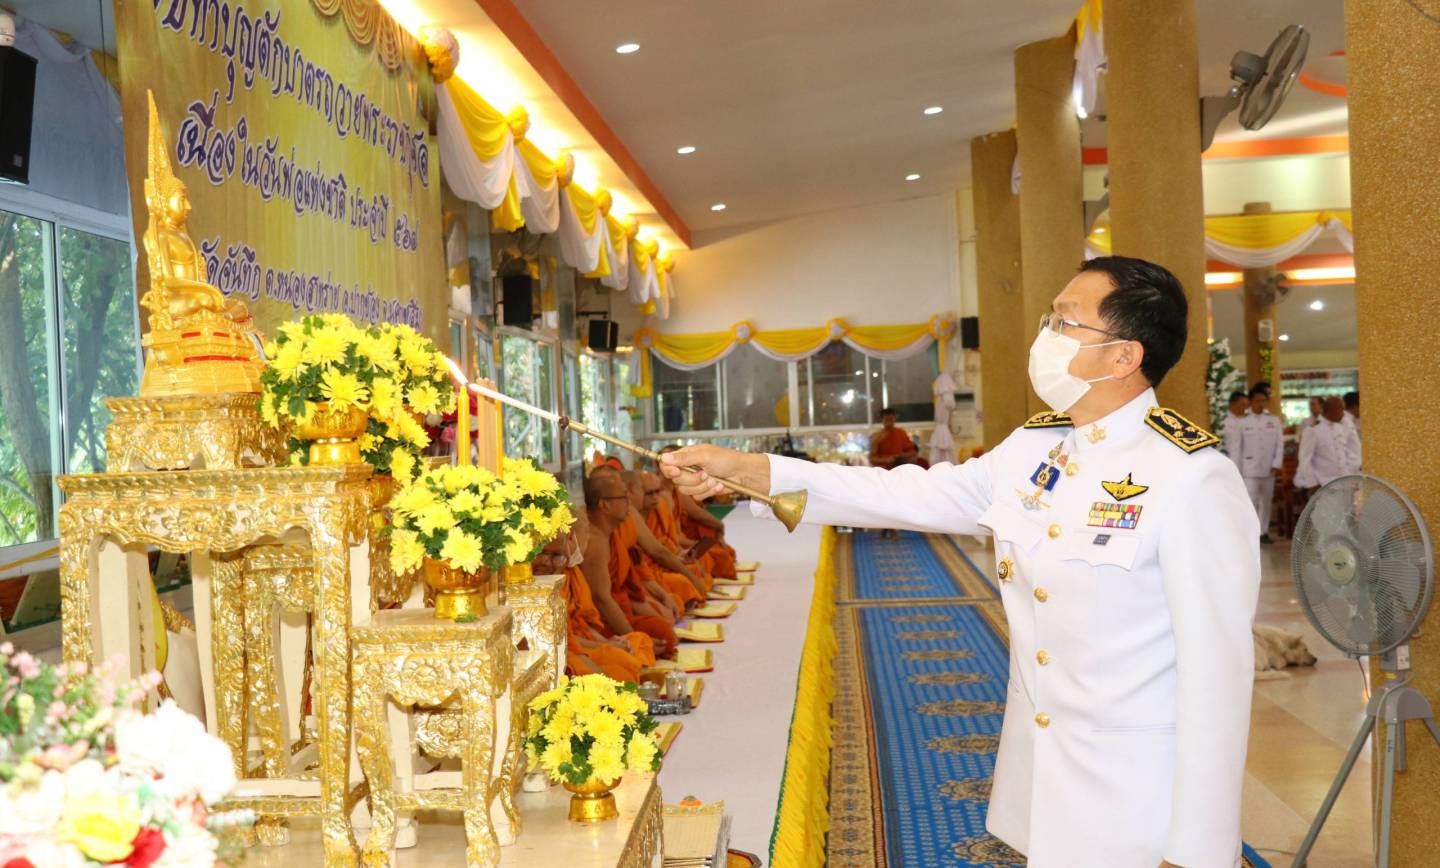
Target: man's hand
column 707, row 462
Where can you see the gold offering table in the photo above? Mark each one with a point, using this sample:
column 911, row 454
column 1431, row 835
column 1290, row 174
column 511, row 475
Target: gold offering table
column 540, row 618
column 215, row 515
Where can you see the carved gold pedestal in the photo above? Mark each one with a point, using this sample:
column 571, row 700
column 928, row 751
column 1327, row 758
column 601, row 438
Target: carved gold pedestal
column 213, row 432
column 107, row 522
column 409, row 658
column 540, row 618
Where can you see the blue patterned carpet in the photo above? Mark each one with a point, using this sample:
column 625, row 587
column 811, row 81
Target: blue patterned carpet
column 921, row 671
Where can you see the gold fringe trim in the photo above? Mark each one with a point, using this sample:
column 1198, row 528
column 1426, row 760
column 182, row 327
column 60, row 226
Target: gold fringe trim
column 804, row 813
column 368, row 23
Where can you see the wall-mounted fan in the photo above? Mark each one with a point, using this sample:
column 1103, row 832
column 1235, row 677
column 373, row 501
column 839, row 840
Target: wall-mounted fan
column 1363, row 571
column 1261, row 84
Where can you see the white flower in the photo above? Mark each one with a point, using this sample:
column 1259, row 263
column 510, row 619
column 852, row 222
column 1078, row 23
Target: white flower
column 174, row 746
column 86, row 777
column 189, row 846
column 51, row 854
column 29, row 809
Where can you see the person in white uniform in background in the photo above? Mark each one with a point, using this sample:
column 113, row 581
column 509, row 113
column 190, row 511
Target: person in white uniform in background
column 1259, row 454
column 1230, row 427
column 1129, row 569
column 1329, row 450
column 1352, row 410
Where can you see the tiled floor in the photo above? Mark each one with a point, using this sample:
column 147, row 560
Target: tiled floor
column 1301, row 726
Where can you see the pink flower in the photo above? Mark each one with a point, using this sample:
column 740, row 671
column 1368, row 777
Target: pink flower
column 6, row 649
column 56, row 711
column 26, row 665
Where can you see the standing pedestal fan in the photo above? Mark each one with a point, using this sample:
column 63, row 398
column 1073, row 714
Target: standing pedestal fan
column 1363, row 571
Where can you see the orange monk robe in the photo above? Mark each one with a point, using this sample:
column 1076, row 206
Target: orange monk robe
column 666, row 527
column 892, row 443
column 585, row 622
column 677, row 585
column 720, row 560
column 627, row 588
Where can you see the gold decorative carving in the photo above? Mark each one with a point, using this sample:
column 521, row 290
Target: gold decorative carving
column 199, row 341
column 410, row 657
column 540, row 617
column 646, row 835
column 181, row 432
column 220, row 513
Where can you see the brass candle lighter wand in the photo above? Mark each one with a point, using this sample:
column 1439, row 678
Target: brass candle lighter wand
column 788, row 506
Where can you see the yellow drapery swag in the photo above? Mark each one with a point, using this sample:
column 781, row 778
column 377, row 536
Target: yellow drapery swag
column 803, row 816
column 1254, row 232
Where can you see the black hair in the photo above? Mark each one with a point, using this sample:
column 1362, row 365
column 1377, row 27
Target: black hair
column 888, row 411
column 1352, row 399
column 1238, row 396
column 1259, row 389
column 1147, row 305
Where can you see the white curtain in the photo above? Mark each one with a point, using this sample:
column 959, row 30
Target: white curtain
column 484, row 182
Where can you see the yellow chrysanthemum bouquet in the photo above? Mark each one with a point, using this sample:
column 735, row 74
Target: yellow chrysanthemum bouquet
column 469, row 517
column 591, row 730
column 325, row 367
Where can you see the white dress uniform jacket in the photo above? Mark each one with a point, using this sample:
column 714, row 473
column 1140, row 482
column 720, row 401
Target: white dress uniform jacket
column 1131, row 659
column 1262, row 445
column 1328, row 450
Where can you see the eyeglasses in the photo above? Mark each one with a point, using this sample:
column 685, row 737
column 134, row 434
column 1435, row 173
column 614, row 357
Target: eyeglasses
column 1054, row 322
column 617, row 497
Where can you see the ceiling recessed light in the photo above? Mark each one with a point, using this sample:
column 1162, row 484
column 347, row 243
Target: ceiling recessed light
column 685, row 149
column 913, row 176
column 1284, row 337
column 627, row 48
column 1317, row 304
column 934, row 109
column 718, row 206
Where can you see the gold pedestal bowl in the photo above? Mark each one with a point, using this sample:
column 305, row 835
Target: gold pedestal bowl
column 458, row 594
column 593, row 801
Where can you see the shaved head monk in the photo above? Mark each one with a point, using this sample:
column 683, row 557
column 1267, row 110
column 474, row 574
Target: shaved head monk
column 654, row 558
column 591, row 646
column 658, row 508
column 619, row 592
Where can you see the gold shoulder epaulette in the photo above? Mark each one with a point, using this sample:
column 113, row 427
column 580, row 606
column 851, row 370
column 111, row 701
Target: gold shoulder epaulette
column 1050, row 420
column 1179, row 430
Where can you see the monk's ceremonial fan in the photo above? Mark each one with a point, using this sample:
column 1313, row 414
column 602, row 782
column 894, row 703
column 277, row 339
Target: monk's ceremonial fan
column 1364, row 575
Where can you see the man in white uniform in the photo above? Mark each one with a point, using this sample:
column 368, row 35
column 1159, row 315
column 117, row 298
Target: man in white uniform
column 1328, row 450
column 1260, row 452
column 1129, row 570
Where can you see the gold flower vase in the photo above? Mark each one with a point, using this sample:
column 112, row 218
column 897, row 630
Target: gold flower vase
column 334, row 435
column 458, row 593
column 519, row 574
column 593, row 801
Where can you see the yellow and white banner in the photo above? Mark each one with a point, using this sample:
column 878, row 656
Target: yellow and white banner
column 300, row 128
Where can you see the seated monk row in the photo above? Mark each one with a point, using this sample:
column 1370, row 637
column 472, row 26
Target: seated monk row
column 697, row 523
column 624, row 593
column 683, row 579
column 591, row 645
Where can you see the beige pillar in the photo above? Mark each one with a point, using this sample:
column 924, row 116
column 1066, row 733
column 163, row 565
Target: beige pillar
column 1004, row 337
column 1393, row 57
column 1052, row 218
column 1157, row 212
column 1262, row 358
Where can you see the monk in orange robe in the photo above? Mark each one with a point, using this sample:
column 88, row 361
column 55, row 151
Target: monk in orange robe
column 891, row 447
column 619, row 591
column 696, row 522
column 655, row 561
column 589, row 648
column 660, row 518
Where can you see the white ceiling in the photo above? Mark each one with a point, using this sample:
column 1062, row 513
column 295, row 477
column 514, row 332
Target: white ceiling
column 1329, row 330
column 811, row 105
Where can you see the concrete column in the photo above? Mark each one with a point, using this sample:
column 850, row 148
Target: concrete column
column 1052, row 218
column 1393, row 55
column 1157, row 211
column 1004, row 336
column 1262, row 358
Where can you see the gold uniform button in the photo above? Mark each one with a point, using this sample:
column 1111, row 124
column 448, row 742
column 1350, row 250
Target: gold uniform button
column 1041, row 594
column 1043, row 658
column 1071, row 469
column 1042, row 720
column 1054, row 531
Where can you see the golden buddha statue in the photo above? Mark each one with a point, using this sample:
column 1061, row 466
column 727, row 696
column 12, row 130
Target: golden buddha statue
column 199, row 341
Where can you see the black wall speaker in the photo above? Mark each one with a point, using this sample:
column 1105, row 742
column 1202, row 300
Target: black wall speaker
column 604, row 335
column 970, row 332
column 518, row 297
column 17, row 109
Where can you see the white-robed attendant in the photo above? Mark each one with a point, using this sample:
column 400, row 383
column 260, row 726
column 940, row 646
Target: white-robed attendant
column 1329, row 449
column 1129, row 568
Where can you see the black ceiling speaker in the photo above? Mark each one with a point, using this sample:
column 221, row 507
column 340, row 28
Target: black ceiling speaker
column 604, row 335
column 17, row 109
column 518, row 298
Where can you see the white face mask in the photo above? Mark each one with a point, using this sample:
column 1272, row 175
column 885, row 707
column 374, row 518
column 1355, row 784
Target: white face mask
column 1050, row 358
column 577, row 554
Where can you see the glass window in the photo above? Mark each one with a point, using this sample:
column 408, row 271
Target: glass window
column 570, row 401
column 483, row 367
column 624, row 404
column 595, row 406
column 684, row 400
column 527, row 373
column 835, row 387
column 457, row 342
column 907, row 385
column 101, row 350
column 757, row 390
column 29, row 384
